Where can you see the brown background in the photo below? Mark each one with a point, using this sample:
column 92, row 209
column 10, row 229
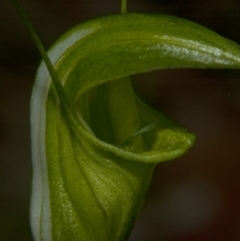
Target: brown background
column 194, row 198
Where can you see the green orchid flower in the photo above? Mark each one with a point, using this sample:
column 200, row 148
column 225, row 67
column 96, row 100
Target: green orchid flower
column 94, row 142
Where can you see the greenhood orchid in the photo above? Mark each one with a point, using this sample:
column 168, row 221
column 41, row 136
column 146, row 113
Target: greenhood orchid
column 94, row 142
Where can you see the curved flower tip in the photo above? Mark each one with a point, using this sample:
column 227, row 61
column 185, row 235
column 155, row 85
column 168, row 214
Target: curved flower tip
column 93, row 158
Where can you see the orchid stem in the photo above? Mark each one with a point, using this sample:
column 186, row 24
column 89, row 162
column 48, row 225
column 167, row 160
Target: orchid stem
column 124, row 6
column 41, row 49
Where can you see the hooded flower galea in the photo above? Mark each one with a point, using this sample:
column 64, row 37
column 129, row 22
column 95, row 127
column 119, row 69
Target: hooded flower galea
column 95, row 144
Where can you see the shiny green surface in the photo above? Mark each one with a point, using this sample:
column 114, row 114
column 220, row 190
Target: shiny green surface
column 86, row 184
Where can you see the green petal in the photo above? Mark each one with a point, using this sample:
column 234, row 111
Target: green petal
column 87, row 184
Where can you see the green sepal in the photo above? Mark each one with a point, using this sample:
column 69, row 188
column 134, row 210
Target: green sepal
column 87, row 185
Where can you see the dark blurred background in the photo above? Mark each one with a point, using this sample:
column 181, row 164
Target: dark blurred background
column 194, row 198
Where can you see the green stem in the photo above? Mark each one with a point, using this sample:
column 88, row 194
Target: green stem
column 123, row 6
column 57, row 83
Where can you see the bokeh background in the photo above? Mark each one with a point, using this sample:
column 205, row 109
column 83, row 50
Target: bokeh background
column 193, row 198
